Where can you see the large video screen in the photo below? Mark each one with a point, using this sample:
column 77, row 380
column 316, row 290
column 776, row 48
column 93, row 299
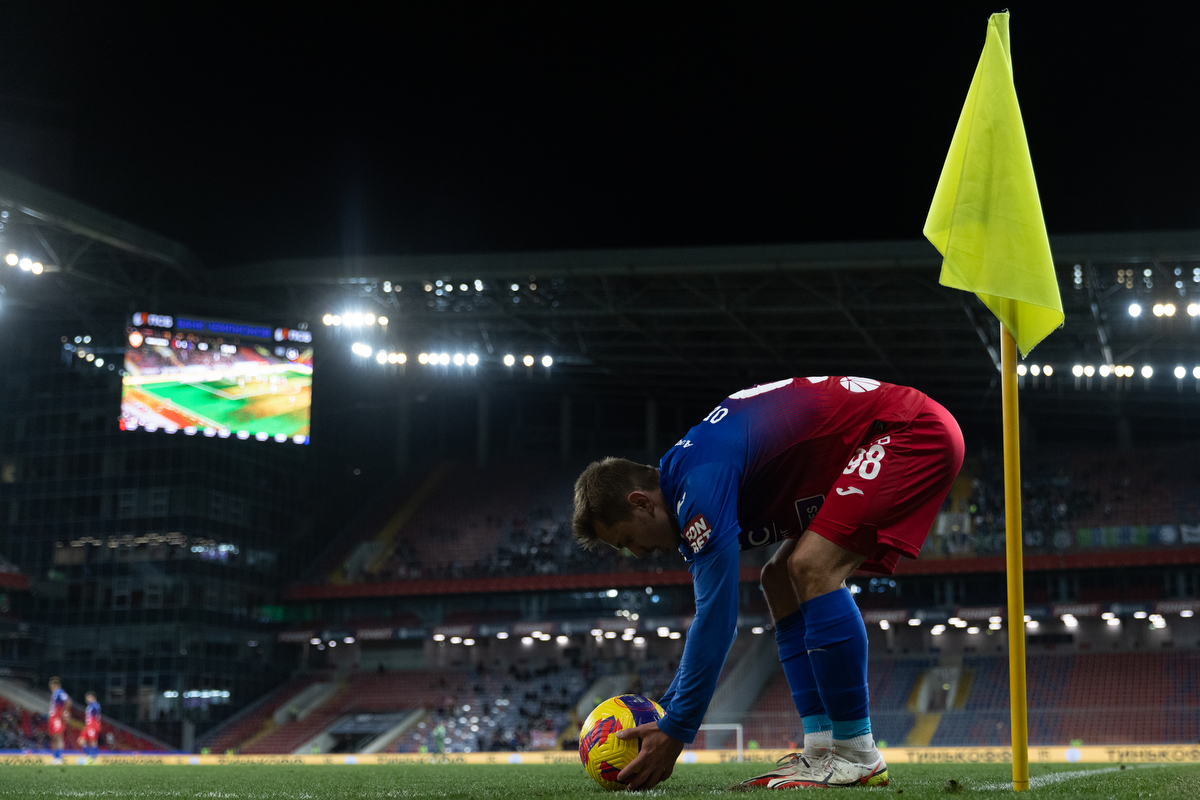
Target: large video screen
column 216, row 378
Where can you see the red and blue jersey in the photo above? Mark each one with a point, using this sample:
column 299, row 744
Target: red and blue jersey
column 753, row 472
column 58, row 702
column 91, row 714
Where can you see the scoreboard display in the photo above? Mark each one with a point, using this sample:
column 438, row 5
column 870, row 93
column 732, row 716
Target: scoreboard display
column 216, row 378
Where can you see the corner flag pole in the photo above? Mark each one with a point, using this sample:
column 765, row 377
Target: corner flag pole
column 1015, row 567
column 986, row 221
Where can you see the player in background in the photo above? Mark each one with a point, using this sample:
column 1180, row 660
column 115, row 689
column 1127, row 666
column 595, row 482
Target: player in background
column 845, row 473
column 88, row 740
column 60, row 705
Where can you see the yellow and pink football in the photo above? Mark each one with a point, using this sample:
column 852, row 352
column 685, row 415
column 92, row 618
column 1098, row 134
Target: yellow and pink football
column 602, row 753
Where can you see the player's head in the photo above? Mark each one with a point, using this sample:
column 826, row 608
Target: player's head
column 618, row 502
column 55, row 683
column 90, row 697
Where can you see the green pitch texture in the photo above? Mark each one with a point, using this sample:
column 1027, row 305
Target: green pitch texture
column 263, row 412
column 909, row 782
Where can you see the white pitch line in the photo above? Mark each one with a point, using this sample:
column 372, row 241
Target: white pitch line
column 1050, row 778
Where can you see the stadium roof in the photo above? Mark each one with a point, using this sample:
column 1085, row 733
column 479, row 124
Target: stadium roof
column 669, row 321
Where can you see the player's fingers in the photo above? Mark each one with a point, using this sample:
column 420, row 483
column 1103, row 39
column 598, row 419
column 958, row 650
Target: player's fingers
column 631, row 769
column 639, row 732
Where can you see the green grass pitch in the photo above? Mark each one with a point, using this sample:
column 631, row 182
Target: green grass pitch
column 471, row 782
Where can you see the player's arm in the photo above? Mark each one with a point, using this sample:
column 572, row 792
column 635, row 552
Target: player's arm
column 714, row 568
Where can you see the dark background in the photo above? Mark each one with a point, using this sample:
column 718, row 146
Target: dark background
column 283, row 130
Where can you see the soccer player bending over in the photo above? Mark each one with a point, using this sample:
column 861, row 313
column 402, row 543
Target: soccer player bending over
column 60, row 704
column 848, row 473
column 91, row 728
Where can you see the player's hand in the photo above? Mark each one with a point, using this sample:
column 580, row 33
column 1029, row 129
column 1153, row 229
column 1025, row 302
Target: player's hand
column 656, row 761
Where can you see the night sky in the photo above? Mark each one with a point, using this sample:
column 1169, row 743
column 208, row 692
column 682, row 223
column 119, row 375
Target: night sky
column 320, row 130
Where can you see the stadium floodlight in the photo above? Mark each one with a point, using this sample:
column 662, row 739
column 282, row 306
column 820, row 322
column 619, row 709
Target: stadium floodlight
column 90, row 356
column 1022, row 369
column 914, row 622
column 1047, row 370
column 444, row 359
column 610, row 634
column 382, row 320
column 1147, row 371
column 994, row 626
column 639, row 641
column 562, row 639
column 327, row 319
column 1070, row 621
column 261, row 436
column 1032, row 624
column 423, row 358
column 528, row 640
column 429, row 287
column 369, row 319
column 387, row 286
column 527, row 361
column 36, row 268
column 455, row 640
column 314, row 640
column 514, row 287
column 613, row 592
column 401, row 358
column 502, row 635
column 1036, row 370
column 26, row 264
column 1158, row 309
column 459, row 359
column 995, row 619
column 675, row 635
column 478, row 285
column 1140, row 615
column 1107, row 615
column 1196, row 373
column 1180, row 372
column 972, row 631
column 1104, row 370
column 472, row 360
column 469, row 642
column 509, row 360
column 1193, row 309
column 337, row 320
column 11, row 259
column 1168, row 309
column 547, row 361
column 1089, row 370
column 663, row 632
column 1135, row 310
column 360, row 349
column 391, row 357
column 884, row 624
column 99, row 362
column 1113, row 622
column 757, row 630
column 381, row 357
column 462, row 287
column 1187, row 612
column 938, row 630
column 1077, row 370
column 333, row 643
column 439, row 637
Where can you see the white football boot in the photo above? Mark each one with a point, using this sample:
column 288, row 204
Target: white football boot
column 789, row 766
column 834, row 771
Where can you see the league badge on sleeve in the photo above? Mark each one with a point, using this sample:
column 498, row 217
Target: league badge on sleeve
column 696, row 531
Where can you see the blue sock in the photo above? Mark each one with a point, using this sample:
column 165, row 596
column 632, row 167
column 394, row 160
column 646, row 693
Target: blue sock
column 836, row 641
column 789, row 636
column 58, row 754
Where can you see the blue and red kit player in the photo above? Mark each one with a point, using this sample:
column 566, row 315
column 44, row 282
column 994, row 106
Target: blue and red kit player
column 60, row 704
column 89, row 739
column 843, row 473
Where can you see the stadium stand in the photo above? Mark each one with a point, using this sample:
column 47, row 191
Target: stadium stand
column 1109, row 698
column 256, row 717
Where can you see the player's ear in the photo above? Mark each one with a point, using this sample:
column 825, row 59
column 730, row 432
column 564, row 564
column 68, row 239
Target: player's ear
column 641, row 500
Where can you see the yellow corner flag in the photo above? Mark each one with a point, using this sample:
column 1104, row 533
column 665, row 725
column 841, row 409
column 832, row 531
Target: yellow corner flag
column 986, row 219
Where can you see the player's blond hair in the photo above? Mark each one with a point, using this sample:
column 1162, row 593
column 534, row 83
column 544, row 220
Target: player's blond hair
column 602, row 495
